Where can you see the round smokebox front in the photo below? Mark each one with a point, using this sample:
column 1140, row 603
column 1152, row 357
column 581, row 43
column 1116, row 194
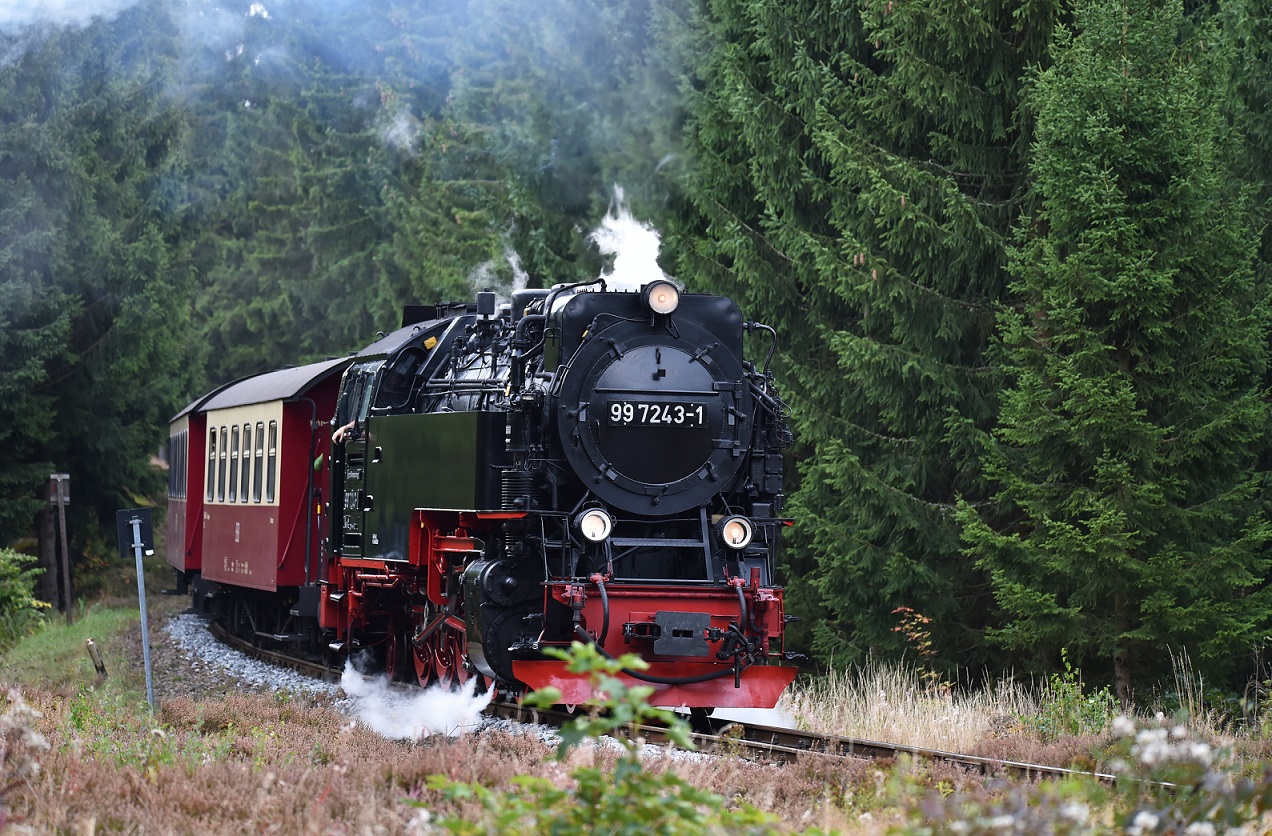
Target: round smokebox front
column 652, row 424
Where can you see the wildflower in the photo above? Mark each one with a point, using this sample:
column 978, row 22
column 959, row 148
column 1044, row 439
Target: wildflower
column 1123, row 726
column 1197, row 752
column 1074, row 812
column 1200, row 828
column 1151, row 747
column 1145, row 821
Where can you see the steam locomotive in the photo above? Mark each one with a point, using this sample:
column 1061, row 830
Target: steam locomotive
column 491, row 480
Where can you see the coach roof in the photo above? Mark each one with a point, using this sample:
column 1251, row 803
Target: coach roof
column 282, row 385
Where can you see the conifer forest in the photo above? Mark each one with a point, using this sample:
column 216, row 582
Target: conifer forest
column 1017, row 254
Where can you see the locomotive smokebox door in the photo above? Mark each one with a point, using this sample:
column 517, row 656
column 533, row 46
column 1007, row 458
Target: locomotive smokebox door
column 653, row 416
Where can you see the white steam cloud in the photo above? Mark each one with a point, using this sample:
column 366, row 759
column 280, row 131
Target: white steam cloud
column 411, row 716
column 634, row 245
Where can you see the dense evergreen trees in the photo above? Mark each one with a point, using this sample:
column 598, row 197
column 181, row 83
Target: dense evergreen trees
column 95, row 274
column 1136, row 341
column 858, row 170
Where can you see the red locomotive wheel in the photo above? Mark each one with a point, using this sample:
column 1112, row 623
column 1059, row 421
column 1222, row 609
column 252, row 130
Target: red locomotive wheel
column 425, row 664
column 441, row 659
column 450, row 660
column 395, row 652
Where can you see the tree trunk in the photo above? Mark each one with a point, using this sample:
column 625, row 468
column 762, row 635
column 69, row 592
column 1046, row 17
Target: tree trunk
column 1122, row 651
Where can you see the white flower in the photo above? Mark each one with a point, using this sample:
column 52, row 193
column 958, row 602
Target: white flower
column 1200, row 828
column 1145, row 821
column 1075, row 812
column 1123, row 726
column 1178, row 733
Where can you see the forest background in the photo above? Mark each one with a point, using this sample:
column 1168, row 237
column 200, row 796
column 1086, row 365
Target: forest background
column 1016, row 252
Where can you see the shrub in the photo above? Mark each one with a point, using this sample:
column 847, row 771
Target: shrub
column 1167, row 782
column 630, row 800
column 21, row 613
column 1066, row 709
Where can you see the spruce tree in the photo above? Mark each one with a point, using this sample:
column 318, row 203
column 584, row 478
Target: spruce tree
column 1125, row 460
column 857, row 169
column 96, row 266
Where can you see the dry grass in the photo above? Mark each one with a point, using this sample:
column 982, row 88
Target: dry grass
column 896, row 704
column 286, row 764
column 255, row 764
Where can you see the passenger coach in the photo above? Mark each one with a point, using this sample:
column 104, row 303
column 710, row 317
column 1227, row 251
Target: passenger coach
column 248, row 463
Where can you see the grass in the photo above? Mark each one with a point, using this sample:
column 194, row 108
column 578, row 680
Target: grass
column 56, row 657
column 79, row 756
column 895, row 703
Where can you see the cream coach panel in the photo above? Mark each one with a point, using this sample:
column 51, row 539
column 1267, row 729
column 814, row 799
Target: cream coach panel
column 243, row 445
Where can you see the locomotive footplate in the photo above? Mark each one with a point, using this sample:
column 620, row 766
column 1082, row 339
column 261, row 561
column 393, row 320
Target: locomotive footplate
column 760, row 686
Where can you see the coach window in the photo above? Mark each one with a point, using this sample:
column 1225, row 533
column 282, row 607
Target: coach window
column 185, row 464
column 211, row 461
column 260, row 461
column 234, row 462
column 247, row 462
column 273, row 461
column 220, row 473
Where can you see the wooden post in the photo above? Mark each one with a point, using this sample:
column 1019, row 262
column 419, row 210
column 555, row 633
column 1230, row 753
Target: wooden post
column 60, row 492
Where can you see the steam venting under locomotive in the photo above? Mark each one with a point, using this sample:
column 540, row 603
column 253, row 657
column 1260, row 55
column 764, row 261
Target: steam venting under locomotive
column 574, row 465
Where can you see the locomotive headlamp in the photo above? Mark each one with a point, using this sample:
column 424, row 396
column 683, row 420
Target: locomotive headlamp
column 662, row 297
column 594, row 524
column 736, row 532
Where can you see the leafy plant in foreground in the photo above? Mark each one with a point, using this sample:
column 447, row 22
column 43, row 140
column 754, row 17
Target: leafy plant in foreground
column 628, row 800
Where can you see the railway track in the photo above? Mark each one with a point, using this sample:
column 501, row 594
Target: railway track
column 748, row 740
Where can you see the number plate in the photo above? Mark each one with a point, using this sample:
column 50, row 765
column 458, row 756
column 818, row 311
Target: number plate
column 656, row 414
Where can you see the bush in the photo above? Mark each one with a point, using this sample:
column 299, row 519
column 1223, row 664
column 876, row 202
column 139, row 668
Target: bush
column 21, row 613
column 631, row 800
column 1066, row 709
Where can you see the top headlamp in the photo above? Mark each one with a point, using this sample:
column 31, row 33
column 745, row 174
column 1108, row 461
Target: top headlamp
column 661, row 296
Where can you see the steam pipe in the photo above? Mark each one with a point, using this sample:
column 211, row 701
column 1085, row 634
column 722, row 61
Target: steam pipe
column 519, row 364
column 605, row 610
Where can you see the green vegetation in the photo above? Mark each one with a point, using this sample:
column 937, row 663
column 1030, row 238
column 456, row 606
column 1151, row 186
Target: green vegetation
column 1127, row 457
column 77, row 752
column 21, row 613
column 55, row 656
column 627, row 799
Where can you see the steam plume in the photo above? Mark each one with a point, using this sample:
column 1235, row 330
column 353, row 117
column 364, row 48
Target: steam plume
column 411, row 716
column 634, row 245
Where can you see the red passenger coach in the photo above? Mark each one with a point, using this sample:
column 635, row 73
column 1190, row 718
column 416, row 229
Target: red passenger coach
column 250, row 453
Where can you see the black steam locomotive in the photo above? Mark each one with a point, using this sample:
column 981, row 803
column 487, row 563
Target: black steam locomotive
column 577, row 464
